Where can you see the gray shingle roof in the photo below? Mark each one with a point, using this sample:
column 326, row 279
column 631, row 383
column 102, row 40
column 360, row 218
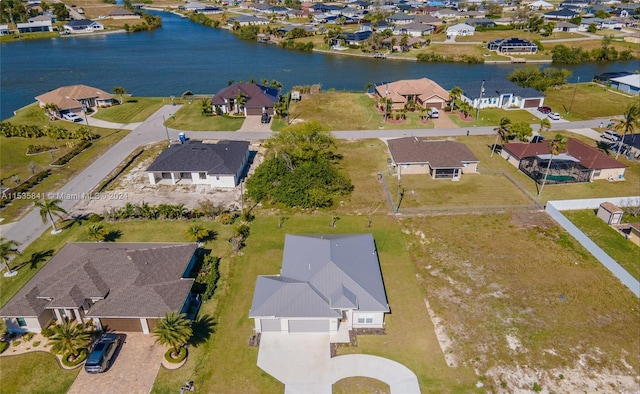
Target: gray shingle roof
column 496, row 87
column 439, row 154
column 135, row 280
column 320, row 274
column 223, row 158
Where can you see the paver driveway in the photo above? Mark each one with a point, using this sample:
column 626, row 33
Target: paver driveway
column 304, row 364
column 134, row 369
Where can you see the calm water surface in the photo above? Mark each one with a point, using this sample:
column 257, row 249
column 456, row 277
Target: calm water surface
column 186, row 56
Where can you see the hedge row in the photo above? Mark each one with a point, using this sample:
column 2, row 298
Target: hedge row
column 9, row 194
column 66, row 158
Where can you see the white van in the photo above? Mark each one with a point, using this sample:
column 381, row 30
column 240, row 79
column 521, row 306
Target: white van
column 434, row 112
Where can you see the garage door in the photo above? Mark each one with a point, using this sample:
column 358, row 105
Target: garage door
column 308, row 325
column 152, row 324
column 124, row 325
column 254, row 111
column 437, row 105
column 270, row 325
column 531, row 103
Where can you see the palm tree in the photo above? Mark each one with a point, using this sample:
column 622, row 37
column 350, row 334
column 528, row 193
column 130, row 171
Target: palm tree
column 96, row 232
column 240, row 101
column 120, row 91
column 454, row 94
column 556, row 145
column 51, row 109
column 504, row 132
column 545, row 124
column 173, row 330
column 49, row 208
column 368, row 86
column 196, row 232
column 8, row 248
column 69, row 337
column 630, row 120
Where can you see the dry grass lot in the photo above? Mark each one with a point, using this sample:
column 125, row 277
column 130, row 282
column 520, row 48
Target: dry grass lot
column 337, row 110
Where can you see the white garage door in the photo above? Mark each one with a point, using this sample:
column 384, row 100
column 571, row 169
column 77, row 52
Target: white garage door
column 270, row 325
column 308, row 325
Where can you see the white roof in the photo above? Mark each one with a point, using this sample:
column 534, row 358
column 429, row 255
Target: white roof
column 461, row 26
column 34, row 24
column 540, row 3
column 631, row 80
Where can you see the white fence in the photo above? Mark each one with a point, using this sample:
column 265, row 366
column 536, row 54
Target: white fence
column 554, row 209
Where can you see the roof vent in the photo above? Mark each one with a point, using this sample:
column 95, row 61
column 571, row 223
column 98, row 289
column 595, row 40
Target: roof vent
column 309, row 267
column 146, row 263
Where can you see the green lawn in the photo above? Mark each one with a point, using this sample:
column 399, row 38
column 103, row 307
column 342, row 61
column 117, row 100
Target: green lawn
column 625, row 252
column 492, row 116
column 189, row 117
column 133, row 109
column 589, row 101
column 338, row 111
column 36, row 372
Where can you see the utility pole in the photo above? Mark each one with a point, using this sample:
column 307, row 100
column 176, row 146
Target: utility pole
column 480, row 100
column 164, row 121
column 574, row 96
column 86, row 119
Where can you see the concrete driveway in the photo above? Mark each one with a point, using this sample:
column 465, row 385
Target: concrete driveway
column 253, row 123
column 304, row 364
column 133, row 370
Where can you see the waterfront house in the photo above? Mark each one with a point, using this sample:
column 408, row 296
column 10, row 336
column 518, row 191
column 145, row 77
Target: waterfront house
column 4, row 30
column 513, row 46
column 35, row 26
column 256, row 99
column 82, row 26
column 327, row 284
column 123, row 13
column 118, row 286
column 439, row 159
column 76, row 99
column 219, row 165
column 422, row 92
column 628, row 84
column 500, row 93
column 247, row 20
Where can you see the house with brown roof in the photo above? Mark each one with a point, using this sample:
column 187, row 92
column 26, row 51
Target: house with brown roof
column 439, row 159
column 423, row 92
column 579, row 163
column 119, row 286
column 76, row 99
column 246, row 98
column 123, row 13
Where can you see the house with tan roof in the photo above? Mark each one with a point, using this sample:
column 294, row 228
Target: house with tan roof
column 439, row 159
column 423, row 92
column 119, row 286
column 76, row 99
column 578, row 163
column 123, row 13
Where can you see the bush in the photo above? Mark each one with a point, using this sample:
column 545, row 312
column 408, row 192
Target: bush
column 27, row 336
column 36, row 343
column 23, row 187
column 228, row 218
column 94, row 218
column 66, row 158
column 81, row 357
column 181, row 356
column 47, row 332
column 3, row 346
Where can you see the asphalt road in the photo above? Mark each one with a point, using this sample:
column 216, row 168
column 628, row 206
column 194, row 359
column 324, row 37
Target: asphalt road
column 30, row 227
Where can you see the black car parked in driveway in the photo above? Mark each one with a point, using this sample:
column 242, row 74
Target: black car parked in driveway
column 102, row 353
column 266, row 118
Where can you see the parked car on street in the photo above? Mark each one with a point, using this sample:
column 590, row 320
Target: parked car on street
column 536, row 139
column 611, row 136
column 544, row 109
column 102, row 352
column 72, row 117
column 553, row 116
column 266, row 118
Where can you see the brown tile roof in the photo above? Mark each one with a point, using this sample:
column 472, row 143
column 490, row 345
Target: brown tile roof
column 67, row 97
column 439, row 154
column 256, row 95
column 128, row 279
column 423, row 88
column 589, row 157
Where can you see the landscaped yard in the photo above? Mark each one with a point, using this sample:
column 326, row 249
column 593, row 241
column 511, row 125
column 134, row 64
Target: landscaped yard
column 132, row 110
column 36, row 372
column 625, row 252
column 190, row 117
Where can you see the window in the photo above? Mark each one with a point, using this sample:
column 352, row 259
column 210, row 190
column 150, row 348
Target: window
column 203, row 175
column 596, row 173
column 365, row 318
column 21, row 322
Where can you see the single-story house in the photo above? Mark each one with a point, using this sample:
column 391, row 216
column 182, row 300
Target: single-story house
column 439, row 159
column 76, row 98
column 540, row 5
column 413, row 29
column 123, row 13
column 500, row 93
column 258, row 99
column 566, row 27
column 4, row 30
column 575, row 3
column 400, row 18
column 483, row 22
column 445, row 13
column 247, row 20
column 423, row 92
column 193, row 6
column 512, row 46
column 35, row 26
column 355, row 38
column 460, row 29
column 48, row 17
column 610, row 213
column 629, row 84
column 219, row 165
column 328, row 283
column 606, row 77
column 633, row 37
column 119, row 286
column 428, row 19
column 562, row 14
column 82, row 26
column 579, row 163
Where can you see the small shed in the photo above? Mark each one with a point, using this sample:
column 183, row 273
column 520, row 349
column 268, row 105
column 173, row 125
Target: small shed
column 610, row 213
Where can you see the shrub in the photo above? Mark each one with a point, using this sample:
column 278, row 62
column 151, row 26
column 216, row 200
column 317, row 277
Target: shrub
column 36, row 343
column 3, row 346
column 81, row 357
column 181, row 356
column 94, row 218
column 537, row 388
column 23, row 187
column 47, row 332
column 228, row 218
column 66, row 158
column 27, row 336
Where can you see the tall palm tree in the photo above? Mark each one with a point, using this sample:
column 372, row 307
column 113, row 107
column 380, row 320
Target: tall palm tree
column 240, row 101
column 51, row 109
column 96, row 232
column 8, row 248
column 196, row 232
column 173, row 330
column 545, row 124
column 454, row 94
column 556, row 145
column 629, row 122
column 120, row 91
column 504, row 132
column 49, row 208
column 69, row 337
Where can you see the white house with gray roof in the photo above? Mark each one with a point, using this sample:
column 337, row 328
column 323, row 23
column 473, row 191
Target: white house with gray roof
column 219, row 165
column 327, row 283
